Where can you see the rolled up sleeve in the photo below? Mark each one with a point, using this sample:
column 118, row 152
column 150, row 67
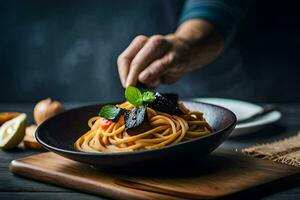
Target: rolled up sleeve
column 225, row 15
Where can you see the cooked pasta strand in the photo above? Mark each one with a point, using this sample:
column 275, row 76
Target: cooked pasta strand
column 166, row 129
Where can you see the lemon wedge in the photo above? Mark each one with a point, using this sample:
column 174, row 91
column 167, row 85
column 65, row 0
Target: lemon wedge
column 12, row 132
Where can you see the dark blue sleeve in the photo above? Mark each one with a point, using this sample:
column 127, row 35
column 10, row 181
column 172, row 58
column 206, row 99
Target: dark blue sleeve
column 224, row 14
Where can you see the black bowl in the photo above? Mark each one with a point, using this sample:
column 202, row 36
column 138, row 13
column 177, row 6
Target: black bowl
column 59, row 133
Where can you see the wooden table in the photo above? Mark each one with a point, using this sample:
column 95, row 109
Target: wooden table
column 13, row 187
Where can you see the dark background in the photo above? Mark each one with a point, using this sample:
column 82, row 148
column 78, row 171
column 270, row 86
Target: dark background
column 60, row 49
column 270, row 46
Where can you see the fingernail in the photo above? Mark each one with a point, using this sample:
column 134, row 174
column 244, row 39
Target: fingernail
column 129, row 83
column 122, row 82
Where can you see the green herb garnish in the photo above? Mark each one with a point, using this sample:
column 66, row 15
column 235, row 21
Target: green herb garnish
column 148, row 97
column 110, row 112
column 134, row 96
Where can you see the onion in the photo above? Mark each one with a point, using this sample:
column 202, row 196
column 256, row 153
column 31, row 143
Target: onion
column 45, row 109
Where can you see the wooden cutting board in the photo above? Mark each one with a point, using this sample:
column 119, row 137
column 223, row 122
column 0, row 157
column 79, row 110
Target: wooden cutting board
column 219, row 175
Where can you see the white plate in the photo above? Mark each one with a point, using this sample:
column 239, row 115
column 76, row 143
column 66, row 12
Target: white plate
column 243, row 110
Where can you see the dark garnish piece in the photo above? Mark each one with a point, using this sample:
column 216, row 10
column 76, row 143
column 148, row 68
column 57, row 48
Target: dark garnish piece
column 172, row 97
column 136, row 120
column 110, row 112
column 167, row 103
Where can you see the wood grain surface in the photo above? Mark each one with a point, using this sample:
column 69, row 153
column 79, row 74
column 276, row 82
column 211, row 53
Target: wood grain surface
column 220, row 174
column 54, row 169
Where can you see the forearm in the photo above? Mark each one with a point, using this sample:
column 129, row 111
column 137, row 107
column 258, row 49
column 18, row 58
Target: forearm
column 204, row 42
column 205, row 25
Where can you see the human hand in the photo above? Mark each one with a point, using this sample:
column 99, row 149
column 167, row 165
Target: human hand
column 153, row 60
column 165, row 59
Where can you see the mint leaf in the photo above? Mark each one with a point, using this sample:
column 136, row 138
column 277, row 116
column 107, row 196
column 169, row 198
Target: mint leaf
column 110, row 112
column 148, row 97
column 134, row 96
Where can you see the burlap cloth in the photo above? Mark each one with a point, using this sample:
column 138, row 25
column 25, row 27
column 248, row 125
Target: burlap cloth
column 285, row 151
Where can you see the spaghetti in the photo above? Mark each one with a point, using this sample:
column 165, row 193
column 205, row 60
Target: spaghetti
column 165, row 130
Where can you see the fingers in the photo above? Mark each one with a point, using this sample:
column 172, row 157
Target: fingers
column 157, row 69
column 151, row 61
column 173, row 74
column 125, row 59
column 154, row 84
column 155, row 47
column 170, row 78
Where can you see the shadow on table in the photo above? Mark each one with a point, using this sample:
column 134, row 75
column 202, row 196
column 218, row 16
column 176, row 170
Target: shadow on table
column 269, row 133
column 266, row 189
